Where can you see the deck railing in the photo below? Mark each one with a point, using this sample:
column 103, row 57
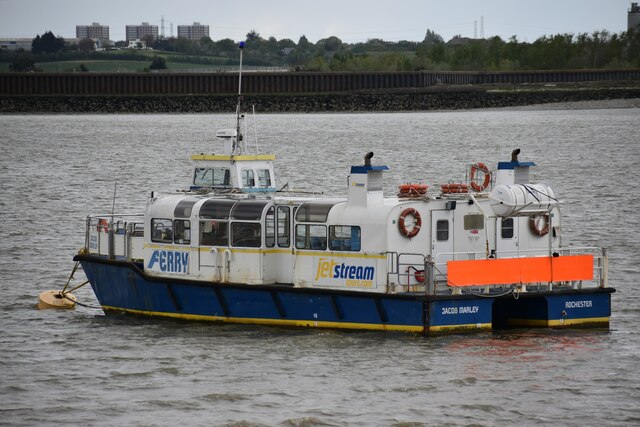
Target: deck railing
column 417, row 273
column 115, row 236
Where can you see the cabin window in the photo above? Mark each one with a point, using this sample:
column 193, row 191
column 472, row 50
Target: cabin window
column 474, row 222
column 313, row 212
column 311, row 237
column 248, row 210
column 344, row 238
column 246, row 234
column 216, row 209
column 264, row 178
column 506, row 230
column 184, row 207
column 247, row 178
column 182, row 231
column 214, row 233
column 270, row 228
column 284, row 227
column 442, row 230
column 211, row 177
column 161, row 230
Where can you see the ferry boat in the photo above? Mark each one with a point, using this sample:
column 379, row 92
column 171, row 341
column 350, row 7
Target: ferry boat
column 474, row 256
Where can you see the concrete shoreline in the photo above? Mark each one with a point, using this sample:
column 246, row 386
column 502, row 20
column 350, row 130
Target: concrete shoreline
column 439, row 98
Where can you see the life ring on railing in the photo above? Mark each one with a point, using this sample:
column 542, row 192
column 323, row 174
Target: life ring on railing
column 419, row 275
column 539, row 225
column 103, row 225
column 479, row 167
column 416, row 226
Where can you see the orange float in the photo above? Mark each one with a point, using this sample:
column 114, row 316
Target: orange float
column 480, row 167
column 409, row 233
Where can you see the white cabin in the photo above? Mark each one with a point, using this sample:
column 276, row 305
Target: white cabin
column 364, row 242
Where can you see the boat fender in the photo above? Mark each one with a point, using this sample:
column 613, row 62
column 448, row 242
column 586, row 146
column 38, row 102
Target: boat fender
column 416, row 226
column 480, row 167
column 539, row 225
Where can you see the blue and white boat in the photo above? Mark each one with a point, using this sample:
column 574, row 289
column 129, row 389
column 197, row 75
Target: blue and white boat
column 472, row 256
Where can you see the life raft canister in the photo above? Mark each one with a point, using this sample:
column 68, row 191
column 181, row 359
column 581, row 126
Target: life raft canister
column 412, row 190
column 480, row 167
column 416, row 226
column 539, row 225
column 454, row 188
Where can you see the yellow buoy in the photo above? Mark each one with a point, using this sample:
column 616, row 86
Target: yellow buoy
column 56, row 299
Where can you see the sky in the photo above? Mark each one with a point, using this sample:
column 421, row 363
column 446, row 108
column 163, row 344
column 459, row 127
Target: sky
column 351, row 20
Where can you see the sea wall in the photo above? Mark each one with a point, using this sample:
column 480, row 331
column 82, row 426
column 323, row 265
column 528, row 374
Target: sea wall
column 291, row 83
column 440, row 98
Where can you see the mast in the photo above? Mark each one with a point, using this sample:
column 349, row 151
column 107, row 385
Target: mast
column 239, row 106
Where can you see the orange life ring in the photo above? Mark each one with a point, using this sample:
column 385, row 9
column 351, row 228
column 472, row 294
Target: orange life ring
column 419, row 275
column 454, row 188
column 103, row 225
column 487, row 176
column 539, row 229
column 416, row 227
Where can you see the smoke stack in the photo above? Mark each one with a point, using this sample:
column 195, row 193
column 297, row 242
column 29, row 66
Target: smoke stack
column 514, row 155
column 367, row 158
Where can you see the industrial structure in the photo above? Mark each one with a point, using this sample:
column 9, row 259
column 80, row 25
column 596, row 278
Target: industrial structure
column 193, row 32
column 93, row 31
column 633, row 18
column 139, row 32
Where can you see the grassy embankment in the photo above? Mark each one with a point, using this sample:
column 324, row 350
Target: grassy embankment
column 129, row 61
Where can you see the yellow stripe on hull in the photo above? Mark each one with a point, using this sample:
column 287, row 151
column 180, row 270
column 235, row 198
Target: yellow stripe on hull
column 543, row 323
column 273, row 322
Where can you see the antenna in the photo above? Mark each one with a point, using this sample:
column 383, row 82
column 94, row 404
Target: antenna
column 255, row 128
column 241, row 46
column 238, row 114
column 162, row 26
column 113, row 205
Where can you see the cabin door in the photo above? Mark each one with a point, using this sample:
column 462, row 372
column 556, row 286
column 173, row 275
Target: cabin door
column 286, row 257
column 507, row 238
column 441, row 240
column 278, row 260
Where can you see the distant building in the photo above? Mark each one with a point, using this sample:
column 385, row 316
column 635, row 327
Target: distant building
column 135, row 32
column 633, row 18
column 93, row 31
column 16, row 44
column 137, row 44
column 193, row 32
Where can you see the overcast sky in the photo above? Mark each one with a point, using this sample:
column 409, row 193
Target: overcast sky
column 350, row 20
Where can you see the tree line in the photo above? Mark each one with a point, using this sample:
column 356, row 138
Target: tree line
column 599, row 49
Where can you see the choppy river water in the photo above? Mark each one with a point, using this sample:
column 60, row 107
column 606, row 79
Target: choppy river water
column 80, row 367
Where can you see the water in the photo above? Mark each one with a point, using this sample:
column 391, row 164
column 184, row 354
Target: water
column 81, row 367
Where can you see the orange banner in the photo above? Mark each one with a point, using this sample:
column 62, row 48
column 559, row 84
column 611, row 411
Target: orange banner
column 519, row 270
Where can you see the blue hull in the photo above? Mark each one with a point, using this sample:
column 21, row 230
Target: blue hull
column 123, row 286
